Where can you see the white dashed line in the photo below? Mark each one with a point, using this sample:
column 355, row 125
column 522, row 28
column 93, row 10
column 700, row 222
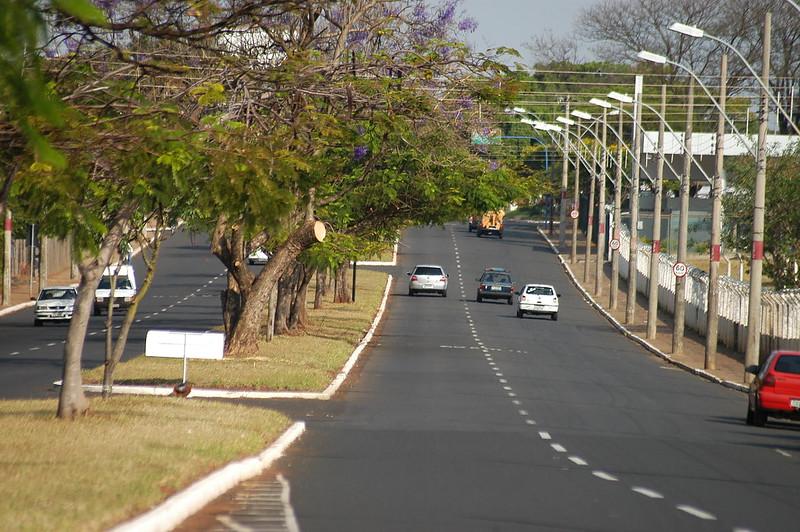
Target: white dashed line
column 512, row 394
column 92, row 333
column 578, row 461
column 15, row 353
column 557, row 447
column 605, row 476
column 503, row 381
column 507, row 388
column 51, row 344
column 530, row 422
column 499, row 374
column 523, row 412
column 516, row 402
column 647, row 492
column 33, row 349
column 138, row 320
column 545, row 435
column 700, row 514
column 164, row 309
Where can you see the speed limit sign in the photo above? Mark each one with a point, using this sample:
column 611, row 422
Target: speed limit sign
column 573, row 214
column 614, row 244
column 679, row 269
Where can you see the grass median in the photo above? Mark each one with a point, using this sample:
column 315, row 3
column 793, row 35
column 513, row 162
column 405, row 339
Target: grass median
column 305, row 360
column 128, row 454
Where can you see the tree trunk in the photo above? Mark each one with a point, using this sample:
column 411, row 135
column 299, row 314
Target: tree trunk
column 273, row 308
column 245, row 335
column 299, row 315
column 342, row 294
column 319, row 289
column 286, row 291
column 72, row 402
column 231, row 305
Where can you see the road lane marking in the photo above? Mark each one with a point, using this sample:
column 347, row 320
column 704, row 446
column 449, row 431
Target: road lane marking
column 512, row 394
column 51, row 344
column 647, row 492
column 557, row 447
column 578, row 461
column 605, row 476
column 700, row 514
column 92, row 333
column 15, row 353
column 506, row 388
column 523, row 412
column 545, row 435
column 503, row 381
column 33, row 349
column 516, row 402
column 783, row 453
column 530, row 422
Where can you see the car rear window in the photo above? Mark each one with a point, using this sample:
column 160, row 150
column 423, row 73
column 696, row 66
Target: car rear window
column 427, row 270
column 788, row 364
column 539, row 290
column 496, row 278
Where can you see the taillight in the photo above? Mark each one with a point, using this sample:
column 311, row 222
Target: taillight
column 443, row 278
column 522, row 298
column 769, row 380
column 413, row 277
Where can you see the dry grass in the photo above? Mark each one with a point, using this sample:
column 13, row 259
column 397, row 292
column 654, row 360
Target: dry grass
column 127, row 455
column 303, row 361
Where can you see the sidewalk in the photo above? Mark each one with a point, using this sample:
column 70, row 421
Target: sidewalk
column 730, row 364
column 22, row 296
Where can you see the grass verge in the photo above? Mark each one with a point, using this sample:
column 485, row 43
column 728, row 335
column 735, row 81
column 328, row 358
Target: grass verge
column 305, row 360
column 128, row 454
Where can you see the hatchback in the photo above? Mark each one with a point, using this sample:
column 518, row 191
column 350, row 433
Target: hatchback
column 775, row 392
column 429, row 278
column 55, row 303
column 495, row 283
column 538, row 299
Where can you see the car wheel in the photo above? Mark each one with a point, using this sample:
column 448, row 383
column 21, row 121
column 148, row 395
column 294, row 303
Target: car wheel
column 479, row 298
column 410, row 292
column 756, row 416
column 519, row 313
column 554, row 316
column 444, row 293
column 510, row 300
column 37, row 323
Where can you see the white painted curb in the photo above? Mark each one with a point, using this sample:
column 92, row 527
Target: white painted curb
column 393, row 262
column 641, row 341
column 184, row 504
column 244, row 394
column 17, row 307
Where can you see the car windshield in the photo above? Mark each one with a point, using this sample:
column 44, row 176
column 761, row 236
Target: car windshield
column 57, row 293
column 428, row 270
column 123, row 283
column 539, row 290
column 500, row 278
column 788, row 364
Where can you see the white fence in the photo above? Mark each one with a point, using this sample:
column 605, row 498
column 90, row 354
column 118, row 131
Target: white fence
column 780, row 310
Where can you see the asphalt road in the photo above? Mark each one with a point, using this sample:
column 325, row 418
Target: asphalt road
column 184, row 296
column 463, row 417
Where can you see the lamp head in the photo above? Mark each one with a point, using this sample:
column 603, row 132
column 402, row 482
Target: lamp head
column 565, row 120
column 602, row 103
column 644, row 55
column 527, row 121
column 581, row 114
column 691, row 31
column 618, row 96
column 519, row 110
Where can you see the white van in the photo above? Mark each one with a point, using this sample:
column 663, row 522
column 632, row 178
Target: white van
column 124, row 289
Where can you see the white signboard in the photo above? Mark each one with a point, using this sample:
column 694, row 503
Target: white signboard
column 177, row 344
column 679, row 269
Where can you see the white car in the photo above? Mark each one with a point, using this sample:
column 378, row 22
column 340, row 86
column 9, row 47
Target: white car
column 258, row 256
column 55, row 303
column 538, row 299
column 429, row 278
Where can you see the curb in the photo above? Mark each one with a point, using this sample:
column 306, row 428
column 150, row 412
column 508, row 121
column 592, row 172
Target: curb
column 190, row 500
column 17, row 307
column 325, row 395
column 392, row 262
column 641, row 341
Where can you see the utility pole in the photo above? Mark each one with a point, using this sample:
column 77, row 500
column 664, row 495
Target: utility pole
column 7, row 257
column 43, row 260
column 712, row 312
column 752, row 354
column 683, row 227
column 655, row 250
column 576, row 198
column 601, row 212
column 633, row 249
column 614, row 299
column 562, row 216
column 590, row 211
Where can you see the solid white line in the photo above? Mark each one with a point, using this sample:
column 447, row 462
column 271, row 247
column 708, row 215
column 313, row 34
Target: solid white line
column 605, row 476
column 700, row 514
column 647, row 492
column 557, row 447
column 578, row 461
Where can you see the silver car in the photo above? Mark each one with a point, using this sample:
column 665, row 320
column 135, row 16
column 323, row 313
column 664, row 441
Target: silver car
column 429, row 278
column 55, row 303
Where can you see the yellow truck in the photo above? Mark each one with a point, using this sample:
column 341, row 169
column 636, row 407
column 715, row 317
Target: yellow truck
column 491, row 224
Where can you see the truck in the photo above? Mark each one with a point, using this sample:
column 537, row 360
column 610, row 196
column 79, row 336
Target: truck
column 491, row 224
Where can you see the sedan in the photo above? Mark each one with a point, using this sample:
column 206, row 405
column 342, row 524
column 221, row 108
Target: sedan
column 538, row 299
column 55, row 303
column 429, row 278
column 775, row 392
column 495, row 283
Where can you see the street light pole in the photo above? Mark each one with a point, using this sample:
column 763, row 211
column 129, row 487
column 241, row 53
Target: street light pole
column 576, row 198
column 752, row 354
column 633, row 247
column 562, row 216
column 679, row 314
column 601, row 211
column 655, row 250
column 590, row 211
column 712, row 309
column 613, row 297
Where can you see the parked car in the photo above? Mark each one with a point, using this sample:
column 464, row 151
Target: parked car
column 259, row 256
column 55, row 303
column 495, row 283
column 538, row 299
column 124, row 288
column 429, row 278
column 775, row 392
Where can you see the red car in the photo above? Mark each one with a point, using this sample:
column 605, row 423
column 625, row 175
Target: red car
column 775, row 392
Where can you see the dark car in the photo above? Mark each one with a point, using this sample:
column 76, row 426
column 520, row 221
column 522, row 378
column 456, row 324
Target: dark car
column 496, row 283
column 775, row 392
column 473, row 223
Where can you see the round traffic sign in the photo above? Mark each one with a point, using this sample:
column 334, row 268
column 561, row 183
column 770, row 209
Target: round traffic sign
column 679, row 269
column 573, row 214
column 614, row 244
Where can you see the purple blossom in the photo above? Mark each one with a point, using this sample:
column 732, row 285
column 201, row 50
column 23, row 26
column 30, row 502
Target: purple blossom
column 359, row 152
column 448, row 12
column 468, row 24
column 494, row 165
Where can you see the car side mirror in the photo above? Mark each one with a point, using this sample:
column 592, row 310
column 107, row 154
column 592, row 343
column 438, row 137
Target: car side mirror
column 519, row 292
column 558, row 295
column 408, row 273
column 751, row 369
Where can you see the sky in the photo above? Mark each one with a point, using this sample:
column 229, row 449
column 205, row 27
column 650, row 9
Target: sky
column 514, row 22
